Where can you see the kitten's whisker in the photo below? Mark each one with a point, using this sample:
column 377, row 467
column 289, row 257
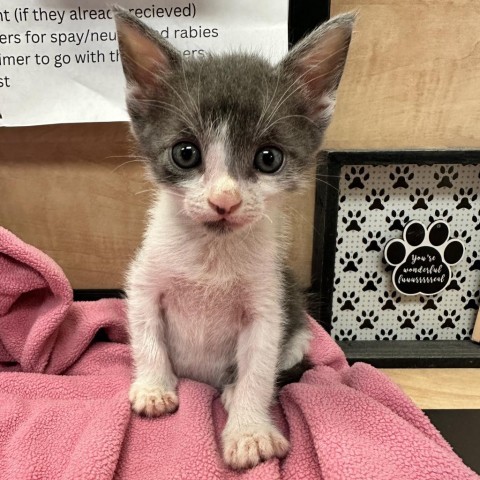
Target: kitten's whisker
column 301, row 83
column 264, row 111
column 126, row 163
column 267, row 217
column 270, row 125
column 328, row 184
column 170, row 108
column 127, row 156
column 144, row 191
column 169, row 192
column 195, row 105
column 305, row 219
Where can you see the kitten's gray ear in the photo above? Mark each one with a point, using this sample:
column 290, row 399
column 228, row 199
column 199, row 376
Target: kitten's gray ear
column 146, row 56
column 317, row 63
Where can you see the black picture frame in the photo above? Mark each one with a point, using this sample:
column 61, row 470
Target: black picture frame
column 393, row 354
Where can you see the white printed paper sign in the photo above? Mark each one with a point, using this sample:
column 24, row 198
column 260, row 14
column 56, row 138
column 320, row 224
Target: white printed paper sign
column 59, row 60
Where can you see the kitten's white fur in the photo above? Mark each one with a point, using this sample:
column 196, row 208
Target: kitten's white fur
column 200, row 302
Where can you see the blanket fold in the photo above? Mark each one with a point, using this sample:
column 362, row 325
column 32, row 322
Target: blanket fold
column 64, row 410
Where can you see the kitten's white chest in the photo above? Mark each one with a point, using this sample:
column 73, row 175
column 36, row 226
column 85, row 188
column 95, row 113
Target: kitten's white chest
column 202, row 325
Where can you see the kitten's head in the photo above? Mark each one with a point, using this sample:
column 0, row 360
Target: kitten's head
column 228, row 134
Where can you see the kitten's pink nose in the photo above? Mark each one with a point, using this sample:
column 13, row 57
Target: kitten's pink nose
column 224, row 196
column 224, row 203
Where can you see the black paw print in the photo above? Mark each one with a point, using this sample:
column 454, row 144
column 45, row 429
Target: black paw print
column 400, row 176
column 348, row 300
column 374, row 241
column 342, row 200
column 389, row 300
column 448, row 319
column 366, row 319
column 397, row 220
column 338, row 243
column 334, row 319
column 385, row 334
column 464, row 334
column 445, row 175
column 417, row 257
column 351, row 261
column 356, row 177
column 471, row 300
column 420, row 199
column 443, row 215
column 430, row 303
column 474, row 261
column 476, row 220
column 407, row 319
column 426, row 334
column 370, row 282
column 463, row 236
column 354, row 220
column 465, row 196
column 376, row 199
column 457, row 278
column 345, row 335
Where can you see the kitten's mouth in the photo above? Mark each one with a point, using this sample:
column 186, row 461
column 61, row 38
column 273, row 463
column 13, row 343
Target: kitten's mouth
column 221, row 226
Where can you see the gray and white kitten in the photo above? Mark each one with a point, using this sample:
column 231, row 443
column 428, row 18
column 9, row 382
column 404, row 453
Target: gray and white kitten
column 209, row 295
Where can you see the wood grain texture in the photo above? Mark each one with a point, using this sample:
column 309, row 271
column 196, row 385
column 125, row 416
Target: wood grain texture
column 412, row 76
column 63, row 191
column 74, row 192
column 439, row 388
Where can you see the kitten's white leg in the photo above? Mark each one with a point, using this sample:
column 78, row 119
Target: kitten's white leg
column 153, row 390
column 249, row 435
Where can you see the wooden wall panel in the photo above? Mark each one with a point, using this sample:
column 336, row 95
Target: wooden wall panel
column 412, row 78
column 61, row 190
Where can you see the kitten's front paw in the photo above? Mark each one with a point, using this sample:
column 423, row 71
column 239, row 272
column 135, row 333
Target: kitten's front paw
column 247, row 446
column 152, row 400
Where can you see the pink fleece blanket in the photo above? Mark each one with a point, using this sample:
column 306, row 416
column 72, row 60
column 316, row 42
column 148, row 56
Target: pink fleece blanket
column 64, row 412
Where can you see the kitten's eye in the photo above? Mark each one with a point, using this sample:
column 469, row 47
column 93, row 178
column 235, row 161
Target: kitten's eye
column 186, row 155
column 268, row 160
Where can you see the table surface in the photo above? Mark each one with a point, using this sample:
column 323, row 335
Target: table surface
column 451, row 399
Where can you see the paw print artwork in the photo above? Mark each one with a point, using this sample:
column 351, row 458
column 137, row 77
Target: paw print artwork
column 366, row 319
column 356, row 177
column 445, row 175
column 426, row 334
column 456, row 279
column 422, row 259
column 350, row 262
column 348, row 301
column 397, row 220
column 465, row 197
column 449, row 319
column 408, row 319
column 470, row 299
column 354, row 220
column 345, row 335
column 373, row 241
column 400, row 176
column 464, row 334
column 376, row 198
column 420, row 199
column 385, row 334
column 370, row 282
